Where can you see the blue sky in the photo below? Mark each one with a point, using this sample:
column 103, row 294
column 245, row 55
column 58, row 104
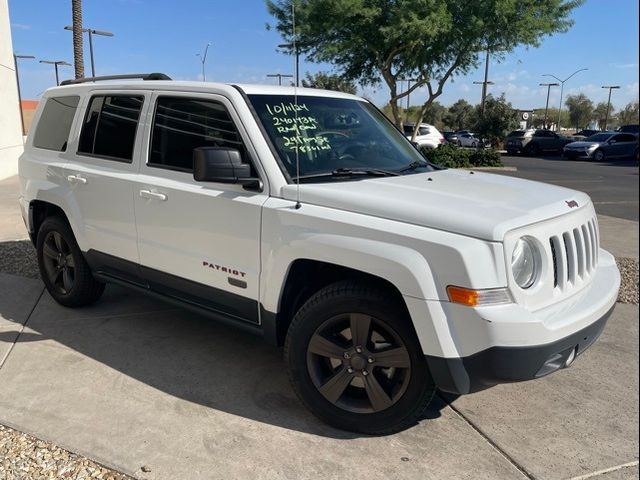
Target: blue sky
column 164, row 36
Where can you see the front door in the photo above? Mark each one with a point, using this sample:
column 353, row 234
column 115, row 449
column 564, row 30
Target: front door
column 199, row 242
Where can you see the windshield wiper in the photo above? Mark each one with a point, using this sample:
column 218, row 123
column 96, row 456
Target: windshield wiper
column 415, row 165
column 349, row 172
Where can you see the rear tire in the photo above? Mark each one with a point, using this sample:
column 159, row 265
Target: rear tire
column 63, row 268
column 344, row 330
column 532, row 150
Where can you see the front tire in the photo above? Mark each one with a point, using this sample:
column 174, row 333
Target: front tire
column 598, row 156
column 63, row 268
column 355, row 361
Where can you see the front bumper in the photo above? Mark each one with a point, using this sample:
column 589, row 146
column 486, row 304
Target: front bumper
column 577, row 153
column 511, row 364
column 501, row 344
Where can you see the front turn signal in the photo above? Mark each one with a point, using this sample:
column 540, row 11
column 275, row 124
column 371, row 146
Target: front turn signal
column 477, row 298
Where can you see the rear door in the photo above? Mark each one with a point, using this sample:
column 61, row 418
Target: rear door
column 198, row 241
column 102, row 175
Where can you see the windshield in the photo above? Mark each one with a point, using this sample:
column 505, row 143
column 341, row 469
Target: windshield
column 332, row 134
column 599, row 137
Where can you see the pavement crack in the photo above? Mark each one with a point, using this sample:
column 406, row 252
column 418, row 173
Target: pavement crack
column 35, row 304
column 605, row 471
column 493, row 444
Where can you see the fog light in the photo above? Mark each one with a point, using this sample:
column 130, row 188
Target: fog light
column 570, row 358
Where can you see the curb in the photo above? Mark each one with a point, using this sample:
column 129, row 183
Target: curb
column 493, row 169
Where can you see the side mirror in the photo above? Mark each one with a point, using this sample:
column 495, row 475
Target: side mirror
column 221, row 165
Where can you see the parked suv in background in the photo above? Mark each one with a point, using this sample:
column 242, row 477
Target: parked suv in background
column 305, row 216
column 428, row 135
column 534, row 142
column 635, row 129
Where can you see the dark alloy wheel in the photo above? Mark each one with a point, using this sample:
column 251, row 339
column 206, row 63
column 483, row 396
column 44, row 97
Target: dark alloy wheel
column 358, row 363
column 58, row 263
column 355, row 361
column 63, row 268
column 598, row 156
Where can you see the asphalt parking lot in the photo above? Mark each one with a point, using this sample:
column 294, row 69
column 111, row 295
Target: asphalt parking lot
column 613, row 186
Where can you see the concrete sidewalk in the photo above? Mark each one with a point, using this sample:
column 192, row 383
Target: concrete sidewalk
column 131, row 382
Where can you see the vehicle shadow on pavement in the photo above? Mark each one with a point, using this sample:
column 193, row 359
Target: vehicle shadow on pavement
column 179, row 353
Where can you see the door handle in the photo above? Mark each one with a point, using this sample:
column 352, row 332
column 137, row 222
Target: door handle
column 153, row 195
column 76, row 179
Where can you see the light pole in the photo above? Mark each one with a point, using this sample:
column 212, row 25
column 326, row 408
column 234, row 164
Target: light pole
column 296, row 52
column 15, row 64
column 55, row 63
column 484, row 91
column 546, row 107
column 409, row 81
column 606, row 118
column 279, row 76
column 91, row 33
column 203, row 59
column 562, row 91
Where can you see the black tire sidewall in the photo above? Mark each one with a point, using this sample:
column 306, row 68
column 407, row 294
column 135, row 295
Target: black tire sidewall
column 595, row 156
column 81, row 293
column 398, row 416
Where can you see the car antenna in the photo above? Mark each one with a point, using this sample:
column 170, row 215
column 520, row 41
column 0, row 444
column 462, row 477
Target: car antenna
column 295, row 104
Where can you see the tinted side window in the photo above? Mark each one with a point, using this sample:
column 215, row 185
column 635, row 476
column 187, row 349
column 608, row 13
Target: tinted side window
column 54, row 125
column 424, row 131
column 182, row 124
column 627, row 138
column 110, row 126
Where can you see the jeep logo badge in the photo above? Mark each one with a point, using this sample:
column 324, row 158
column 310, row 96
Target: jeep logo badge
column 571, row 203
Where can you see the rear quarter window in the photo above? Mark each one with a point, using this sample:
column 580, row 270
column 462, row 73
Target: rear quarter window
column 54, row 125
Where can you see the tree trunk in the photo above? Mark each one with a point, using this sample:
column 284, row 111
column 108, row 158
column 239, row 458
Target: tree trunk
column 78, row 58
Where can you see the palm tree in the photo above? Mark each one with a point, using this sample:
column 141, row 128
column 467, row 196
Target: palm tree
column 78, row 59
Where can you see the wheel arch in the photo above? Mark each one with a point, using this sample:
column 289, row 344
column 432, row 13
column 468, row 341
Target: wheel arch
column 305, row 277
column 39, row 211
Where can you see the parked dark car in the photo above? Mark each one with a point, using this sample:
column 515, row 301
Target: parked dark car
column 635, row 129
column 585, row 133
column 451, row 137
column 534, row 142
column 605, row 145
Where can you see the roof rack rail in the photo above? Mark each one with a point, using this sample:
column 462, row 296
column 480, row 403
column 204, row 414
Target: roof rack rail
column 143, row 76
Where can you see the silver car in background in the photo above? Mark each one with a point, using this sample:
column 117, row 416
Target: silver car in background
column 605, row 145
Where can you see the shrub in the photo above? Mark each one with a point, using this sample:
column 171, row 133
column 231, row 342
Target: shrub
column 449, row 156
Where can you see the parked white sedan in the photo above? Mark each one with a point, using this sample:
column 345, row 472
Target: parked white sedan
column 468, row 140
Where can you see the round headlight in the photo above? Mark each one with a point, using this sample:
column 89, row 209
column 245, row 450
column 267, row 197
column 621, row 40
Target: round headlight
column 524, row 263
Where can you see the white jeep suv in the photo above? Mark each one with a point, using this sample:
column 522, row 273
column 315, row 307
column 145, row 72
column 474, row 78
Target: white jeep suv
column 427, row 135
column 306, row 217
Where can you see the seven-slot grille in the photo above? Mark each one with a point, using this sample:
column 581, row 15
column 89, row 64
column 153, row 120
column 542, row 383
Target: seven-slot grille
column 575, row 254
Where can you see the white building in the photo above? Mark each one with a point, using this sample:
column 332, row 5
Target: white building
column 10, row 129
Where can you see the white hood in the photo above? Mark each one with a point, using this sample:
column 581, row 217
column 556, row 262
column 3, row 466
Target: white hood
column 469, row 203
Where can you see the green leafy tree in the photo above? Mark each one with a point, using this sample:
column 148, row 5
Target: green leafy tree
column 600, row 114
column 580, row 110
column 629, row 114
column 430, row 41
column 498, row 119
column 329, row 81
column 459, row 115
column 434, row 115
